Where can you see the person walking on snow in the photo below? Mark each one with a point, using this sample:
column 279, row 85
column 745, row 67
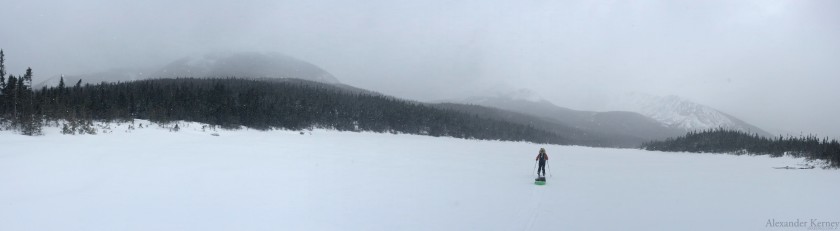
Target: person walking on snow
column 542, row 157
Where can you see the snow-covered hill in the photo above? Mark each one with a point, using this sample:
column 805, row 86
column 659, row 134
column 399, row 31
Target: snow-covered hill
column 677, row 112
column 152, row 178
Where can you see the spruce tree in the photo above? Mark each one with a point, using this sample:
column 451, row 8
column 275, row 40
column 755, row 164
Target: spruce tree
column 28, row 76
column 61, row 83
column 31, row 121
column 11, row 94
column 2, row 69
column 3, row 94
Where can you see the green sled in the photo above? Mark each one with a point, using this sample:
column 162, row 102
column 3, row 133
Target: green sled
column 539, row 182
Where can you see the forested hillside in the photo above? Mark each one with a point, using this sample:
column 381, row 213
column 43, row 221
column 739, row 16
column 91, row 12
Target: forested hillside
column 737, row 142
column 255, row 103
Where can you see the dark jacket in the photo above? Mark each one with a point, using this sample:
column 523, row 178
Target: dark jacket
column 544, row 157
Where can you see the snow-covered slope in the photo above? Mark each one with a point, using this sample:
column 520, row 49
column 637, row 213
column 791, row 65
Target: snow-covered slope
column 153, row 179
column 677, row 112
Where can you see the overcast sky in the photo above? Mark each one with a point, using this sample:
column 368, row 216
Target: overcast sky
column 775, row 64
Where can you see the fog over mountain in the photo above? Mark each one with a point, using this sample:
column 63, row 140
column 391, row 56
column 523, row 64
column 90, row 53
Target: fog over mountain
column 254, row 65
column 613, row 128
column 769, row 63
column 215, row 65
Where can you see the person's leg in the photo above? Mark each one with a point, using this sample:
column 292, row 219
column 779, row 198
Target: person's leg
column 543, row 169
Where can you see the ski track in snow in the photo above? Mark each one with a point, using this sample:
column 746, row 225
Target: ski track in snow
column 534, row 206
column 153, row 179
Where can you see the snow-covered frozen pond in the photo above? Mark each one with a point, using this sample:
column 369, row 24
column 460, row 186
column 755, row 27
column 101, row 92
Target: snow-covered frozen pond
column 154, row 179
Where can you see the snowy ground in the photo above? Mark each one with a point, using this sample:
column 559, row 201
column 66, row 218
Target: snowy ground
column 154, row 179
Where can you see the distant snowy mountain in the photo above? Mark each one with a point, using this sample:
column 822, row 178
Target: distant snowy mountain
column 677, row 112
